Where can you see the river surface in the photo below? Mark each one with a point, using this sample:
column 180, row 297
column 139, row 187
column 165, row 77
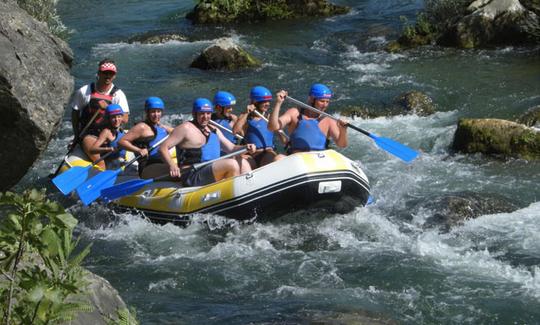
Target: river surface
column 376, row 261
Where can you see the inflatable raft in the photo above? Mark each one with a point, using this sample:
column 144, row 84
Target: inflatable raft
column 310, row 180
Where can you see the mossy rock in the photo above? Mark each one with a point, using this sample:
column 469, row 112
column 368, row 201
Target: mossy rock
column 157, row 38
column 531, row 117
column 497, row 137
column 236, row 11
column 415, row 102
column 225, row 55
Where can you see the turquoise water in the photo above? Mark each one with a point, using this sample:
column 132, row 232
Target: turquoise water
column 313, row 266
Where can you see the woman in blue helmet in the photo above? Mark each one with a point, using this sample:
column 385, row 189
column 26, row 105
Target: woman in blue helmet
column 108, row 138
column 254, row 127
column 144, row 135
column 195, row 142
column 307, row 130
column 223, row 106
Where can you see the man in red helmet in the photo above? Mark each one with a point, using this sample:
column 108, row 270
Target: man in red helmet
column 89, row 102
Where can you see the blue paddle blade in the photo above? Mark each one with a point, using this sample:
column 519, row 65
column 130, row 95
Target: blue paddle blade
column 90, row 190
column 71, row 179
column 397, row 149
column 117, row 191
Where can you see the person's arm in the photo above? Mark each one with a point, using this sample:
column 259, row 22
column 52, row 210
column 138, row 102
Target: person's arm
column 76, row 103
column 240, row 125
column 338, row 133
column 176, row 137
column 276, row 122
column 228, row 147
column 133, row 134
column 104, row 136
column 120, row 99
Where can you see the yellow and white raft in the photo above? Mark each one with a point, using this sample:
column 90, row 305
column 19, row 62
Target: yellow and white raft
column 308, row 180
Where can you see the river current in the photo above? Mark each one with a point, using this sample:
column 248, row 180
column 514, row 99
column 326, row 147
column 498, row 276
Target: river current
column 314, row 266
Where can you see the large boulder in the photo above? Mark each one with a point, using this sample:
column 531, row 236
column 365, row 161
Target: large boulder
column 531, row 117
column 216, row 12
column 497, row 137
column 105, row 302
column 492, row 22
column 35, row 85
column 224, row 55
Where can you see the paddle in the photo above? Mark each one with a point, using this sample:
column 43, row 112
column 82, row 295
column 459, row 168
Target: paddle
column 117, row 191
column 75, row 176
column 214, row 123
column 264, row 118
column 75, row 141
column 90, row 190
column 391, row 146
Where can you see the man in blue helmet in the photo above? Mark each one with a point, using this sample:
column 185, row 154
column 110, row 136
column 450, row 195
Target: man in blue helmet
column 144, row 135
column 196, row 142
column 223, row 106
column 107, row 140
column 307, row 130
column 89, row 102
column 253, row 125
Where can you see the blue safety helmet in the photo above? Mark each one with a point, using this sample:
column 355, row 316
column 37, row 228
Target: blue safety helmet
column 224, row 99
column 114, row 109
column 153, row 103
column 320, row 91
column 260, row 94
column 202, row 105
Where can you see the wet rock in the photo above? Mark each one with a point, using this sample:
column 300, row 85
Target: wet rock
column 531, row 117
column 157, row 38
column 497, row 137
column 224, row 55
column 215, row 12
column 422, row 33
column 104, row 299
column 451, row 210
column 413, row 102
column 491, row 22
column 356, row 317
column 416, row 102
column 35, row 85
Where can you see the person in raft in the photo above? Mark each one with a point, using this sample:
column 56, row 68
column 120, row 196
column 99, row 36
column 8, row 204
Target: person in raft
column 88, row 106
column 197, row 142
column 254, row 127
column 108, row 138
column 308, row 130
column 144, row 135
column 223, row 107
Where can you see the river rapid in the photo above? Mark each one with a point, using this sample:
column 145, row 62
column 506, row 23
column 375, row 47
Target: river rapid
column 376, row 262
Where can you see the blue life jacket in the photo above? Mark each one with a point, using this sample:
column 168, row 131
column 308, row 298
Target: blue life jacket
column 307, row 136
column 209, row 151
column 118, row 134
column 258, row 134
column 160, row 133
column 227, row 124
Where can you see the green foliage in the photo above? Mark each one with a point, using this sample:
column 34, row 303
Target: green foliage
column 275, row 10
column 443, row 12
column 45, row 11
column 125, row 317
column 41, row 273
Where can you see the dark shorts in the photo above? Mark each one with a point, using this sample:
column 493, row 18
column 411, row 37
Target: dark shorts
column 145, row 162
column 198, row 177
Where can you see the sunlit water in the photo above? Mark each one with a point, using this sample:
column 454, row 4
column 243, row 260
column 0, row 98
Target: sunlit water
column 312, row 266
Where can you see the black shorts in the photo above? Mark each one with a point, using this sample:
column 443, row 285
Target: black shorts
column 198, row 177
